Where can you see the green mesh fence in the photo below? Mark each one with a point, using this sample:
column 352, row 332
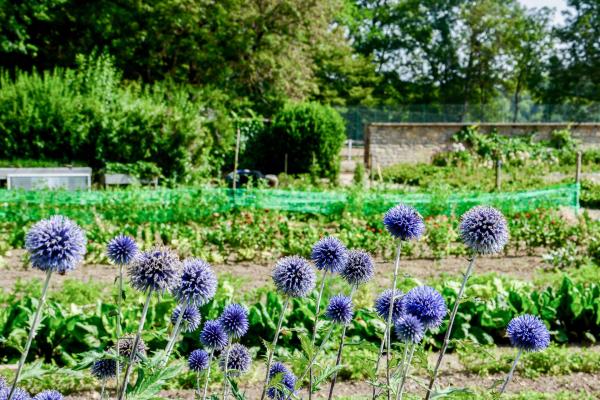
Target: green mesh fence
column 182, row 205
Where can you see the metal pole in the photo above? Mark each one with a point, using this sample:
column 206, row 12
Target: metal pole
column 578, row 170
column 285, row 164
column 498, row 174
column 349, row 149
column 235, row 161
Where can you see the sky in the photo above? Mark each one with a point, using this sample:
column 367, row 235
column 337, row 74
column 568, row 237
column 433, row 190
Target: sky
column 558, row 5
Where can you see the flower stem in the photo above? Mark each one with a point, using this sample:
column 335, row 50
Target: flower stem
column 175, row 333
column 134, row 348
column 339, row 354
column 225, row 372
column 400, row 391
column 119, row 329
column 270, row 359
column 385, row 340
column 314, row 333
column 102, row 388
column 212, row 352
column 511, row 372
column 32, row 332
column 449, row 330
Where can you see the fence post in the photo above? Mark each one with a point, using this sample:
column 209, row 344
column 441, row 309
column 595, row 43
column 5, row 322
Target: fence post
column 498, row 174
column 349, row 149
column 285, row 169
column 578, row 168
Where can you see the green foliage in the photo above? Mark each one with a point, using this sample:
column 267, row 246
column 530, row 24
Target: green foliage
column 140, row 169
column 88, row 116
column 312, row 136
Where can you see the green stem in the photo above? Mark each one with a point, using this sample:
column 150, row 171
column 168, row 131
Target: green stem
column 119, row 329
column 511, row 372
column 225, row 372
column 175, row 333
column 449, row 330
column 212, row 352
column 32, row 332
column 405, row 373
column 134, row 348
column 270, row 359
column 314, row 333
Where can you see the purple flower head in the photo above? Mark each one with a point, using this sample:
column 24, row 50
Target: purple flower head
column 125, row 348
column 213, row 336
column 340, row 309
column 19, row 394
column 198, row 283
column 329, row 254
column 2, row 383
column 286, row 384
column 293, row 276
column 239, row 360
column 404, row 222
column 234, row 320
column 198, row 360
column 358, row 268
column 427, row 304
column 382, row 304
column 56, row 244
column 484, row 230
column 409, row 329
column 121, row 250
column 191, row 318
column 49, row 395
column 104, row 369
column 528, row 333
column 157, row 269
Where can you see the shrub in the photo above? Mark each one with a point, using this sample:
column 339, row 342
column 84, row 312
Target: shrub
column 312, row 135
column 89, row 115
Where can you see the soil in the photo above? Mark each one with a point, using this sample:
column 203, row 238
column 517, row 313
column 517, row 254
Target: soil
column 257, row 275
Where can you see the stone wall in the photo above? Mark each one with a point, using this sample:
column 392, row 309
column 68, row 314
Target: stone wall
column 393, row 143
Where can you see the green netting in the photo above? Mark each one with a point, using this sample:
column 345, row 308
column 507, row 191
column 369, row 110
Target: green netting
column 181, row 205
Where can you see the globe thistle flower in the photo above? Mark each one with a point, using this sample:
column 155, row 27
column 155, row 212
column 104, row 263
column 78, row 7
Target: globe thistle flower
column 2, row 383
column 156, row 269
column 404, row 222
column 49, row 395
column 340, row 309
column 329, row 254
column 121, row 250
column 409, row 329
column 382, row 304
column 427, row 304
column 234, row 320
column 198, row 283
column 198, row 360
column 286, row 384
column 528, row 333
column 484, row 230
column 125, row 348
column 18, row 394
column 104, row 369
column 294, row 277
column 213, row 336
column 358, row 268
column 56, row 244
column 238, row 361
column 191, row 318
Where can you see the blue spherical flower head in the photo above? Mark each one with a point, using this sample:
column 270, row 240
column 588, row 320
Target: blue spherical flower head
column 157, row 269
column 294, row 277
column 56, row 244
column 359, row 268
column 409, row 329
column 427, row 304
column 528, row 333
column 2, row 383
column 198, row 283
column 404, row 222
column 49, row 395
column 198, row 360
column 125, row 348
column 121, row 250
column 104, row 369
column 484, row 230
column 213, row 336
column 234, row 320
column 19, row 394
column 191, row 318
column 238, row 361
column 329, row 254
column 286, row 384
column 340, row 309
column 382, row 304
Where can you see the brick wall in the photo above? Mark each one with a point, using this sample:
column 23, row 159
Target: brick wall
column 393, row 143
